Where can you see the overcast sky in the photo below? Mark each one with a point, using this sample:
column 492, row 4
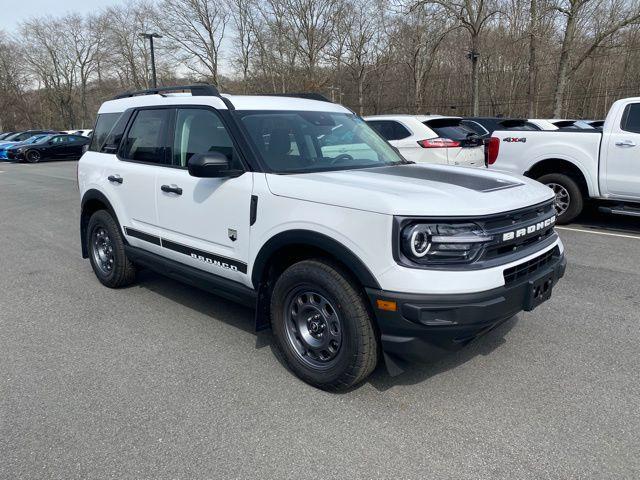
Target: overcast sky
column 16, row 11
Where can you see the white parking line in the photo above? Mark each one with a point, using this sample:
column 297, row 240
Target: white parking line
column 621, row 235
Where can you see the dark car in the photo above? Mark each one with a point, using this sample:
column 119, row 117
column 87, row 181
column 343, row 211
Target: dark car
column 23, row 135
column 4, row 135
column 68, row 147
column 485, row 126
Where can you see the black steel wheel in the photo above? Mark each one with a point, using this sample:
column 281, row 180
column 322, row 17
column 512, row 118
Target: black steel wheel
column 313, row 327
column 322, row 325
column 106, row 251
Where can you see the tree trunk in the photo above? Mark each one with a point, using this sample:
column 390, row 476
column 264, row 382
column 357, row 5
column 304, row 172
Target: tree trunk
column 562, row 78
column 532, row 80
column 475, row 77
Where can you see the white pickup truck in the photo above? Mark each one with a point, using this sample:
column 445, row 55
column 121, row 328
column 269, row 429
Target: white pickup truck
column 579, row 165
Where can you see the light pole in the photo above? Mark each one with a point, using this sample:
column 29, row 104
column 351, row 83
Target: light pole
column 151, row 36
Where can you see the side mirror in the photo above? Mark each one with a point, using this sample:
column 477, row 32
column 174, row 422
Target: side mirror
column 111, row 148
column 211, row 165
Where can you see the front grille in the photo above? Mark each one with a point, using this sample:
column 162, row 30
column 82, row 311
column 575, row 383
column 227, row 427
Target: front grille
column 528, row 268
column 498, row 225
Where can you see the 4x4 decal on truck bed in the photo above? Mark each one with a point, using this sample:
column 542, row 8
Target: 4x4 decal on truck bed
column 205, row 257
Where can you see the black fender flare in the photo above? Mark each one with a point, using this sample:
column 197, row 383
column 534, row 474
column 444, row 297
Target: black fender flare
column 317, row 240
column 89, row 197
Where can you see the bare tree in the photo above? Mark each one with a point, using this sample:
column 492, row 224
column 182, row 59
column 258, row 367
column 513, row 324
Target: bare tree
column 312, row 23
column 473, row 16
column 419, row 36
column 242, row 13
column 197, row 27
column 601, row 19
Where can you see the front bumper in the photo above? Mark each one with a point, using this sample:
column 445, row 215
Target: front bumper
column 425, row 326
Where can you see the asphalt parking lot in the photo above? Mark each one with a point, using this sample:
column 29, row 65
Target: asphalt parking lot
column 160, row 380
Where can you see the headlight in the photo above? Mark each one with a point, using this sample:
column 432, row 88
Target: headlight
column 442, row 243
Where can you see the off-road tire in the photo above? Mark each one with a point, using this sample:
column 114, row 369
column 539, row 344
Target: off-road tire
column 359, row 350
column 123, row 272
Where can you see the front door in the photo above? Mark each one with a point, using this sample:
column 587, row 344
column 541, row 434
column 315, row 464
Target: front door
column 623, row 156
column 204, row 222
column 58, row 148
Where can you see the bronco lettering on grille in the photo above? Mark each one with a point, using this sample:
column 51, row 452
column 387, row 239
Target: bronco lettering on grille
column 526, row 231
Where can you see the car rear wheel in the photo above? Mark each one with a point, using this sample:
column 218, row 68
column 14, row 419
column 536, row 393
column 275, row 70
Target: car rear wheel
column 568, row 201
column 322, row 325
column 106, row 251
column 33, row 156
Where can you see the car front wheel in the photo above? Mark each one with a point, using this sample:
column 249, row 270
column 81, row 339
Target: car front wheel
column 322, row 325
column 33, row 156
column 106, row 251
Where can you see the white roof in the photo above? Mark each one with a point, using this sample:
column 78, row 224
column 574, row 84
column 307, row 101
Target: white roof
column 240, row 102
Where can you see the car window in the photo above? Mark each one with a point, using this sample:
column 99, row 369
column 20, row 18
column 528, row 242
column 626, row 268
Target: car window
column 450, row 128
column 146, row 139
column 75, row 138
column 292, row 142
column 631, row 118
column 60, row 139
column 200, row 131
column 104, row 124
column 389, row 129
column 475, row 126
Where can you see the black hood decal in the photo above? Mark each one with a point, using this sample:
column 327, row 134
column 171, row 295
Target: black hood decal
column 463, row 179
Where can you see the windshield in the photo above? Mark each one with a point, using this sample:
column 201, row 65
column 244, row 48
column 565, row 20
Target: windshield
column 298, row 142
column 34, row 139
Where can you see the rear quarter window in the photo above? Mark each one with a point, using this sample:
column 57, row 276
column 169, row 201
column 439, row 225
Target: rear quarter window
column 104, row 124
column 389, row 129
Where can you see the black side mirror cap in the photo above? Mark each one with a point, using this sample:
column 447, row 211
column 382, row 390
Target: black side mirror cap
column 211, row 165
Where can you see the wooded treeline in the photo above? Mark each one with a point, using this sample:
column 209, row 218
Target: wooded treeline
column 525, row 58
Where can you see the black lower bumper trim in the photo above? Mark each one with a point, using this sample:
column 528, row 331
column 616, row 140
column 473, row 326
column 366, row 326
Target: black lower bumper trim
column 423, row 327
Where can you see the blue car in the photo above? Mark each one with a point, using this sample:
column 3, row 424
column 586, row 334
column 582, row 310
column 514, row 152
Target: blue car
column 5, row 146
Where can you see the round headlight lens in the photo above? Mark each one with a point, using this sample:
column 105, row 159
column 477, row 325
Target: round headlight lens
column 420, row 243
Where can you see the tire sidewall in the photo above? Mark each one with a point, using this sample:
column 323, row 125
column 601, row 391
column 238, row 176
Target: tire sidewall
column 99, row 219
column 293, row 279
column 28, row 157
column 575, row 195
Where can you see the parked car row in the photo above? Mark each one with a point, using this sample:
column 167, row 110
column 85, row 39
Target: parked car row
column 35, row 145
column 598, row 164
column 455, row 140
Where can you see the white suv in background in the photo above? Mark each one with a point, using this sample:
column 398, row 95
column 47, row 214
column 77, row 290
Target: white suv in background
column 298, row 208
column 431, row 139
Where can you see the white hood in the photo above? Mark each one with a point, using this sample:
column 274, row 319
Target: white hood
column 421, row 190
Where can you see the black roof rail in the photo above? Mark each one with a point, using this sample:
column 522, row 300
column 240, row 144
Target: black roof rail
column 307, row 95
column 196, row 91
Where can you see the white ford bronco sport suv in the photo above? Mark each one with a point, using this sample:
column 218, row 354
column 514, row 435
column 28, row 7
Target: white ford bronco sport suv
column 348, row 255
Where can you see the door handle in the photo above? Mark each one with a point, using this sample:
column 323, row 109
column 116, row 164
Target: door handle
column 625, row 143
column 171, row 189
column 115, row 178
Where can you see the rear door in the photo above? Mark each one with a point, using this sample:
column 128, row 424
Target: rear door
column 58, row 147
column 75, row 146
column 623, row 155
column 204, row 222
column 398, row 135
